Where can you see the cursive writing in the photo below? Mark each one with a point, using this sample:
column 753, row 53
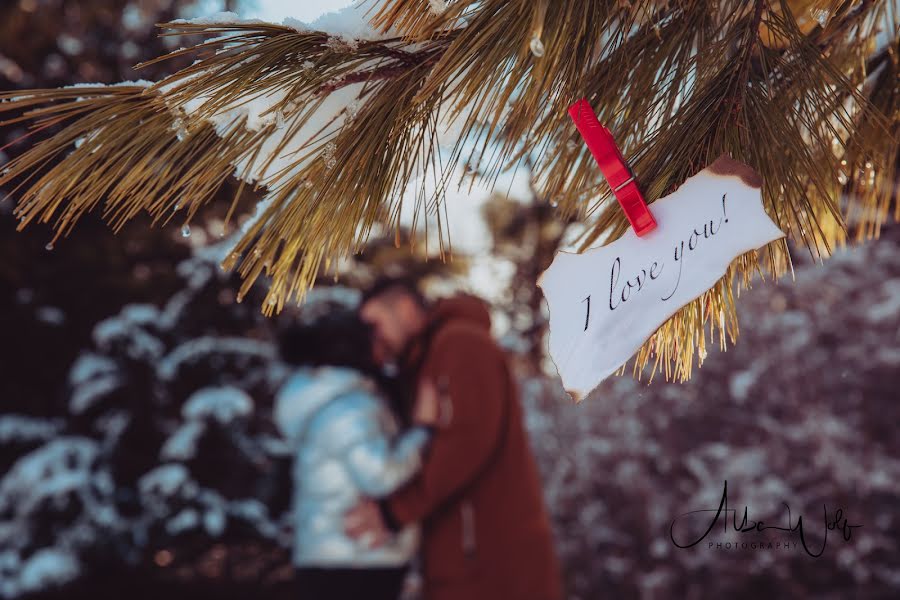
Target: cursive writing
column 838, row 521
column 620, row 293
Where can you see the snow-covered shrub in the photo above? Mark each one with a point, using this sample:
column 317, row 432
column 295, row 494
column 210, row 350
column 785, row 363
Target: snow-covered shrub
column 55, row 502
column 168, row 445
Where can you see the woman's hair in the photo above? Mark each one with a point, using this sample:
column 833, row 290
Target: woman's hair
column 339, row 338
column 342, row 339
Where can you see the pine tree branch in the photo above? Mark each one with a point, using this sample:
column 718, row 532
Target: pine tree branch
column 336, row 130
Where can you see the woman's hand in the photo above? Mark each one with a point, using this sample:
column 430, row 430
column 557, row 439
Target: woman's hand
column 364, row 523
column 427, row 407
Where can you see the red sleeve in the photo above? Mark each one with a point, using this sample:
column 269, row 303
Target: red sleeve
column 475, row 373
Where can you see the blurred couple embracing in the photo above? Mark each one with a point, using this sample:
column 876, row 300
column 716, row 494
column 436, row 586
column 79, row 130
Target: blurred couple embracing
column 409, row 444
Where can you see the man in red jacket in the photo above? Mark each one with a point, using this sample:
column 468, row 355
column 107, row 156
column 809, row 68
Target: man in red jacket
column 478, row 495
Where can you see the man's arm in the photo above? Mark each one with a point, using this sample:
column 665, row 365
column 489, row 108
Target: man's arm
column 476, row 382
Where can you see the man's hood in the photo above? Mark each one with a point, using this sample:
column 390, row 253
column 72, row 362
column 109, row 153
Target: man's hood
column 464, row 307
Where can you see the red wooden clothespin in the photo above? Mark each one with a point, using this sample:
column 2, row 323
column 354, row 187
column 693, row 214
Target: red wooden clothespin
column 603, row 147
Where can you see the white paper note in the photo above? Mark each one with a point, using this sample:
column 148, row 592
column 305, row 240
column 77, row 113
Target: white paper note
column 605, row 302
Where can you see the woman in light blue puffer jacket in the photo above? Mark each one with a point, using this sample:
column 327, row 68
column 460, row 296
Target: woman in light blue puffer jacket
column 347, row 445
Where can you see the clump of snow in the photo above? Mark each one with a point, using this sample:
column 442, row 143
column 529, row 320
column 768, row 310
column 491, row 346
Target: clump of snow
column 59, row 467
column 437, row 7
column 21, row 428
column 183, row 521
column 10, row 564
column 339, row 44
column 128, row 330
column 182, row 445
column 87, row 394
column 255, row 513
column 92, row 377
column 223, row 17
column 214, row 521
column 133, row 83
column 196, row 348
column 164, row 481
column 90, row 366
column 195, row 272
column 47, row 567
column 350, row 24
column 223, row 404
